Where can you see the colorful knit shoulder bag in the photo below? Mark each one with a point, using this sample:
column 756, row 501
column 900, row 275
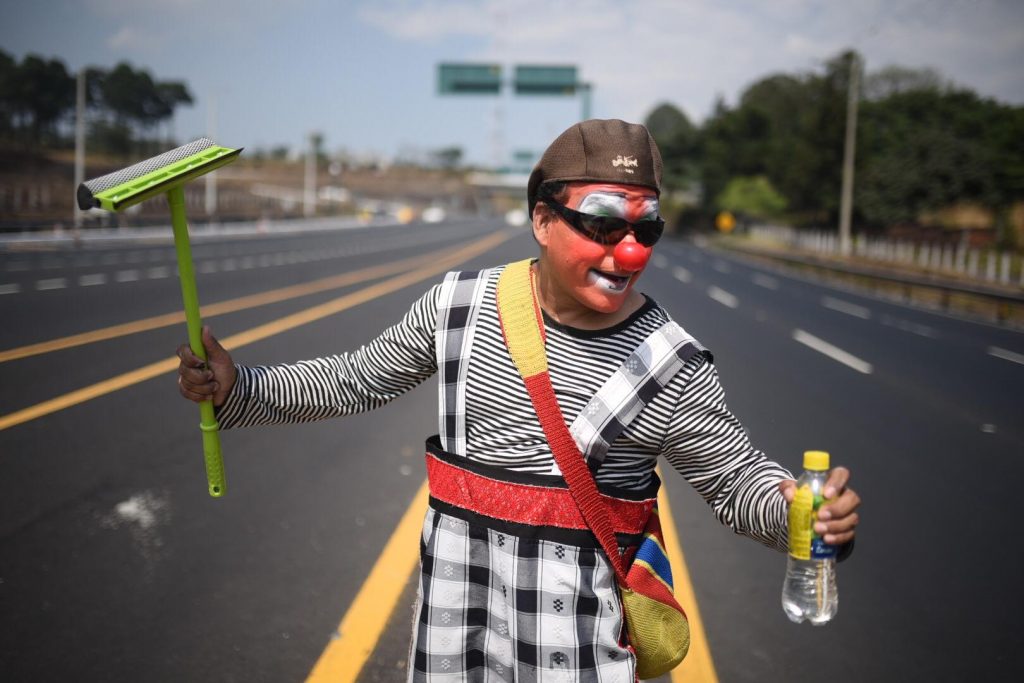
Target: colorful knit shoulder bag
column 658, row 629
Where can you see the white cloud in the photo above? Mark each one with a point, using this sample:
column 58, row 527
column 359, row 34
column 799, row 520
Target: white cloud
column 640, row 53
column 431, row 21
column 132, row 39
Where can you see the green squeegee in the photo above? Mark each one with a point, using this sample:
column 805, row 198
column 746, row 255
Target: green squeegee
column 167, row 174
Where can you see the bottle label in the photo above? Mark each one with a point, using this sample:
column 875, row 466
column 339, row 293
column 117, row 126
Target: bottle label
column 821, row 550
column 804, row 542
column 801, row 513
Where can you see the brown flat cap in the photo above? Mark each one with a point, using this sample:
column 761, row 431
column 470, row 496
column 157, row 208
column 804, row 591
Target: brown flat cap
column 599, row 150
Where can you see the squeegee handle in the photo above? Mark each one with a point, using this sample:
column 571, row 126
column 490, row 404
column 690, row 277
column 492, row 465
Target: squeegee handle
column 208, row 422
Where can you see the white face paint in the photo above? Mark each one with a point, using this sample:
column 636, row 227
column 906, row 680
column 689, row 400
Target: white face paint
column 606, row 281
column 614, row 204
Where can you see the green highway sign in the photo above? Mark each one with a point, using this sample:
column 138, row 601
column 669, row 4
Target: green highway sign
column 469, row 79
column 545, row 80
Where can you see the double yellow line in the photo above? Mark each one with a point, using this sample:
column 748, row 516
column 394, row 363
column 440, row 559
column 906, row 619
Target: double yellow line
column 419, row 268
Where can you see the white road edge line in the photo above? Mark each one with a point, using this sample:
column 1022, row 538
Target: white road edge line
column 723, row 297
column 833, row 352
column 1005, row 355
column 846, row 307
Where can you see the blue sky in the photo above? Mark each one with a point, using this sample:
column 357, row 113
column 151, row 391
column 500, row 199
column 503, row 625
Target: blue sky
column 364, row 73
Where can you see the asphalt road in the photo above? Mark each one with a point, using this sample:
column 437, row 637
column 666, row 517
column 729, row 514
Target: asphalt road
column 115, row 564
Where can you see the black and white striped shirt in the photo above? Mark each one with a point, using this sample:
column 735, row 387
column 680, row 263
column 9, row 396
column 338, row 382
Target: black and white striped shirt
column 687, row 423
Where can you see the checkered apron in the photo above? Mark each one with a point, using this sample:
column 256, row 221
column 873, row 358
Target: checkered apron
column 513, row 584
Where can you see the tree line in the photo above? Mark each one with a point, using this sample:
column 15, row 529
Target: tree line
column 125, row 106
column 922, row 145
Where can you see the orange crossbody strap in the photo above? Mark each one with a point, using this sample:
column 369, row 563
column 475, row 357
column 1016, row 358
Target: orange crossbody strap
column 521, row 325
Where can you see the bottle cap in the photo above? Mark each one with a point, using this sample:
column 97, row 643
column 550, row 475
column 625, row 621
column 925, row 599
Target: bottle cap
column 816, row 460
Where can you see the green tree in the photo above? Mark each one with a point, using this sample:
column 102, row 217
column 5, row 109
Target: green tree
column 134, row 96
column 926, row 149
column 751, row 196
column 922, row 145
column 677, row 139
column 42, row 95
column 892, row 80
column 8, row 92
column 790, row 130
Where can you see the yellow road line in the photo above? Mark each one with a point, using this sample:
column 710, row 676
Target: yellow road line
column 261, row 332
column 698, row 666
column 364, row 622
column 222, row 307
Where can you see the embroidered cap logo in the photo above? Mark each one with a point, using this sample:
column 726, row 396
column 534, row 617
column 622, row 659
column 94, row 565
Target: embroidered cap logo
column 625, row 162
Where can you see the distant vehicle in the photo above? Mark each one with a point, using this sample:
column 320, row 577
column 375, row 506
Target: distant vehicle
column 432, row 214
column 516, row 217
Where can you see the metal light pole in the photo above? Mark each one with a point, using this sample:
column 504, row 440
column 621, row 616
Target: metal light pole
column 586, row 94
column 211, row 178
column 79, row 141
column 846, row 200
column 309, row 194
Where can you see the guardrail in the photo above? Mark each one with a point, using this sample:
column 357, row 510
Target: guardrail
column 961, row 260
column 1002, row 304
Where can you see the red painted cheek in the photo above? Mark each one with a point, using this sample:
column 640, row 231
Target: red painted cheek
column 584, row 250
column 571, row 248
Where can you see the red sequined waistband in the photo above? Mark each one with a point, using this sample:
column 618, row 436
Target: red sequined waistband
column 524, row 503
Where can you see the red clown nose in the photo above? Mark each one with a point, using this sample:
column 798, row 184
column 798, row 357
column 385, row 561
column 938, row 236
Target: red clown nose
column 631, row 256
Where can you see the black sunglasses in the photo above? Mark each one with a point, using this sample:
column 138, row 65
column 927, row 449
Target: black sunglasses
column 609, row 229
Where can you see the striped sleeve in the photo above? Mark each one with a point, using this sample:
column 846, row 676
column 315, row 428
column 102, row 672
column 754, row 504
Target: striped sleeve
column 396, row 361
column 707, row 445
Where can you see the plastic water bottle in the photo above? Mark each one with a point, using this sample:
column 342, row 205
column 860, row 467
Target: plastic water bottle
column 810, row 590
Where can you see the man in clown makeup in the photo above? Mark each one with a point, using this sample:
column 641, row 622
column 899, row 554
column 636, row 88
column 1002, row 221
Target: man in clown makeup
column 513, row 584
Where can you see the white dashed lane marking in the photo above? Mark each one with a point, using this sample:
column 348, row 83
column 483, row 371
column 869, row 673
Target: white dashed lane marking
column 682, row 274
column 766, row 281
column 92, row 279
column 846, row 307
column 907, row 326
column 13, row 288
column 723, row 297
column 722, row 267
column 833, row 352
column 158, row 272
column 52, row 283
column 659, row 261
column 126, row 275
column 1005, row 355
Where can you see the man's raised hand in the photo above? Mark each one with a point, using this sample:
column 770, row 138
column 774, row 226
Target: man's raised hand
column 199, row 381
